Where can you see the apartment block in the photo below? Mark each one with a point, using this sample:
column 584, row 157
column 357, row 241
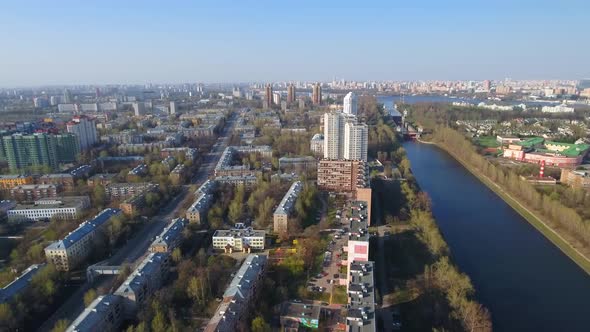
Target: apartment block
column 105, row 313
column 284, row 212
column 143, row 282
column 74, row 248
column 342, row 176
column 240, row 297
column 170, row 238
column 33, row 192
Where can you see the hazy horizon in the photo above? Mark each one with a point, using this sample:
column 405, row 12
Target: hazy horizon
column 70, row 43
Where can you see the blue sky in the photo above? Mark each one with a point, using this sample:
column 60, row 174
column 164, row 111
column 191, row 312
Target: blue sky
column 79, row 42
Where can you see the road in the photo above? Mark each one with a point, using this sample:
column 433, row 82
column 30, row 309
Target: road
column 136, row 248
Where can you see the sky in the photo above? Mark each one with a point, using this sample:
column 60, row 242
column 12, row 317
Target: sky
column 128, row 41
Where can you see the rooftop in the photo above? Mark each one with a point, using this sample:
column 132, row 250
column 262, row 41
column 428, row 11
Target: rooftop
column 20, row 283
column 288, row 201
column 94, row 313
column 84, row 229
column 239, row 232
column 172, row 231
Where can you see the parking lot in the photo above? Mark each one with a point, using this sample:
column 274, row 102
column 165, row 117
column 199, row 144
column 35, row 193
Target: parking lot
column 330, row 274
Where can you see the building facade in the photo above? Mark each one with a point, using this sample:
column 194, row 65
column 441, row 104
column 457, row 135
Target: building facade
column 74, row 248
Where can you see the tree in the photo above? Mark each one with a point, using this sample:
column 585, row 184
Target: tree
column 99, row 196
column 90, row 296
column 260, row 325
column 61, row 325
column 176, row 255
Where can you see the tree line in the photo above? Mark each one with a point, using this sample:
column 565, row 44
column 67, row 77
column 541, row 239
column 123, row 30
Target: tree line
column 565, row 220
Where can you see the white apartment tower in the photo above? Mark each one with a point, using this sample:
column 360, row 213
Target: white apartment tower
column 85, row 129
column 351, row 104
column 356, row 140
column 344, row 137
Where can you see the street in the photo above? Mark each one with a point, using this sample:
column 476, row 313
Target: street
column 136, row 248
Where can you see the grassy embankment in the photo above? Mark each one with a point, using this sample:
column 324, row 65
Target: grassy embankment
column 526, row 213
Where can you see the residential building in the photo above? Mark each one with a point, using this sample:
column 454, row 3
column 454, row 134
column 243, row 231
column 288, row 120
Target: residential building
column 25, row 151
column 143, row 282
column 197, row 212
column 170, row 237
column 351, row 104
column 62, row 181
column 297, row 164
column 268, row 96
column 557, row 109
column 103, row 179
column 239, row 298
column 576, row 178
column 8, row 182
column 85, row 129
column 342, row 175
column 317, row 144
column 64, row 208
column 361, row 314
column 33, row 192
column 74, row 248
column 344, row 137
column 104, row 314
column 356, row 140
column 121, row 191
column 19, row 284
column 238, row 239
column 297, row 316
column 316, row 94
column 291, row 93
column 284, row 212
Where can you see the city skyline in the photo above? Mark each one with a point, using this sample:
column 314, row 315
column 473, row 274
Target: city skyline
column 133, row 43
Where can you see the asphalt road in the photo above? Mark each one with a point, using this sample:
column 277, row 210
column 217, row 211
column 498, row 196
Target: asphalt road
column 136, row 247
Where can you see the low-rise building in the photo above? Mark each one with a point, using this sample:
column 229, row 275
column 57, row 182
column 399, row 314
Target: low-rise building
column 64, row 208
column 361, row 315
column 75, row 247
column 19, row 284
column 170, row 238
column 317, row 144
column 8, row 182
column 239, row 297
column 575, row 178
column 121, row 191
column 300, row 315
column 33, row 192
column 62, row 181
column 105, row 313
column 197, row 212
column 244, row 180
column 238, row 239
column 284, row 212
column 143, row 282
column 297, row 164
column 102, row 179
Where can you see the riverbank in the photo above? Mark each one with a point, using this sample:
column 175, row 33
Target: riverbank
column 558, row 240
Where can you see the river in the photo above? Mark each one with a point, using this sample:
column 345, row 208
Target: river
column 525, row 281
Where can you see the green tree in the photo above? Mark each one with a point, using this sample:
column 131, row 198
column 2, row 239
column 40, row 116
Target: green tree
column 260, row 325
column 99, row 196
column 90, row 296
column 61, row 325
